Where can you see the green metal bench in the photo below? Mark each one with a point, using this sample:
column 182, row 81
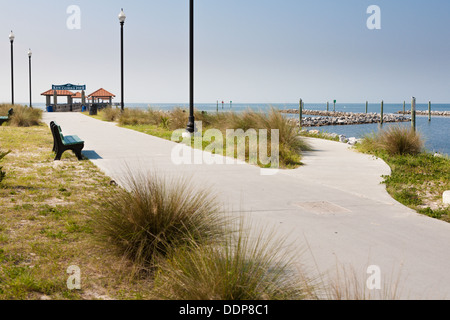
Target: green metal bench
column 63, row 143
column 5, row 119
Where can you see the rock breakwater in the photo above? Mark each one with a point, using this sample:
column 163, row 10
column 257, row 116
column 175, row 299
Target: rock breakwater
column 331, row 118
column 425, row 113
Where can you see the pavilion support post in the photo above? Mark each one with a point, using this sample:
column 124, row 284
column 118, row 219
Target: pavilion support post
column 55, row 98
column 70, row 101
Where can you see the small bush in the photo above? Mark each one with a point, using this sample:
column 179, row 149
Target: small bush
column 156, row 215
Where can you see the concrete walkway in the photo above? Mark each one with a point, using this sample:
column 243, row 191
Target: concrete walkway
column 333, row 208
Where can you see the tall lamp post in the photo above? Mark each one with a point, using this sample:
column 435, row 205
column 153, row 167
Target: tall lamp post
column 122, row 18
column 191, row 124
column 11, row 39
column 29, row 70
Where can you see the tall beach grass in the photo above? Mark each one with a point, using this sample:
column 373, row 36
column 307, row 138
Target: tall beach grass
column 154, row 215
column 246, row 266
column 395, row 140
column 23, row 116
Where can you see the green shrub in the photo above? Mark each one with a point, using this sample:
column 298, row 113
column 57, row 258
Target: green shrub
column 155, row 215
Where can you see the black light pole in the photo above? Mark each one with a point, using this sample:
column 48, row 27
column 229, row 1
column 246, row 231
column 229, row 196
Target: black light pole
column 122, row 18
column 11, row 39
column 191, row 124
column 29, row 69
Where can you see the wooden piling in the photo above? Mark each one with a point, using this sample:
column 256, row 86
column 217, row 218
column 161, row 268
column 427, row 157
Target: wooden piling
column 382, row 112
column 367, row 106
column 328, row 106
column 413, row 113
column 404, row 107
column 300, row 117
column 429, row 110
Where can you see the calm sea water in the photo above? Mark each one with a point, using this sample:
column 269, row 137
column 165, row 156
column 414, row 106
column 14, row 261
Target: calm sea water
column 436, row 133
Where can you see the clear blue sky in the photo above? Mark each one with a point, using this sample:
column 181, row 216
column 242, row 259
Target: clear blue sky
column 265, row 51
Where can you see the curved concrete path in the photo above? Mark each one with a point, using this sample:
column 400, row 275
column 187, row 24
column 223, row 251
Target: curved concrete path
column 333, row 208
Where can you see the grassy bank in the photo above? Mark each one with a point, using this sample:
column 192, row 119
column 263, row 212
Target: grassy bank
column 418, row 178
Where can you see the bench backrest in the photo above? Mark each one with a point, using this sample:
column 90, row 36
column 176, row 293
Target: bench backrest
column 57, row 134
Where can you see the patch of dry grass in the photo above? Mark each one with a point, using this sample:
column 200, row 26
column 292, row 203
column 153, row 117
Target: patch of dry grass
column 23, row 116
column 46, row 226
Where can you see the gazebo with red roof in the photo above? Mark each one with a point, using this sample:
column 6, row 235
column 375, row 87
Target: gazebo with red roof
column 55, row 94
column 101, row 94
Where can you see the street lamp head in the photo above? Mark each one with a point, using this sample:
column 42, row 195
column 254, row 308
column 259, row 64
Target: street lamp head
column 11, row 36
column 29, row 53
column 122, row 16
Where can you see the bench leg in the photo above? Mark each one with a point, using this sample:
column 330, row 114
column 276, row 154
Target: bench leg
column 78, row 154
column 58, row 155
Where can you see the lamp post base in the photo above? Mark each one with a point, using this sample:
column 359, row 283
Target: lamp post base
column 191, row 125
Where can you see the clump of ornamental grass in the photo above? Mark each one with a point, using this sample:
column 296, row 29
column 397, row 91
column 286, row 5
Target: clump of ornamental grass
column 140, row 117
column 178, row 118
column 291, row 144
column 23, row 116
column 246, row 120
column 110, row 114
column 242, row 267
column 400, row 140
column 155, row 215
column 396, row 140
